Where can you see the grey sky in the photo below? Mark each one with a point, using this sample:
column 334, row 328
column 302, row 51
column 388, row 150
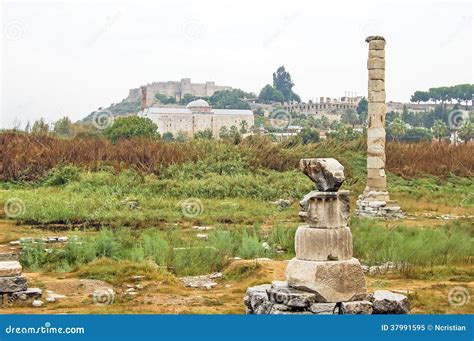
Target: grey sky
column 68, row 58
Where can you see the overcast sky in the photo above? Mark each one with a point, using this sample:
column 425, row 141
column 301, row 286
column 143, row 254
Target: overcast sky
column 71, row 57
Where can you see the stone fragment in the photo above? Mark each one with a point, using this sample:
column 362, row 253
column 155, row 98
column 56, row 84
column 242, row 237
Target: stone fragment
column 356, row 308
column 327, row 173
column 27, row 294
column 9, row 256
column 325, row 209
column 290, row 297
column 323, row 244
column 37, row 303
column 10, row 268
column 324, row 308
column 333, row 281
column 198, row 282
column 387, row 302
column 12, row 284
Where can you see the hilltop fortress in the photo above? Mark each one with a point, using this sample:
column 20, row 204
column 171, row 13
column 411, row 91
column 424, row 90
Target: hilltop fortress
column 176, row 89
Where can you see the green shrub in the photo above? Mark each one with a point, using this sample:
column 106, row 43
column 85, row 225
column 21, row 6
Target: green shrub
column 61, row 175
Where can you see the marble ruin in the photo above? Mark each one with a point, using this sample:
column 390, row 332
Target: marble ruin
column 375, row 202
column 323, row 278
column 13, row 285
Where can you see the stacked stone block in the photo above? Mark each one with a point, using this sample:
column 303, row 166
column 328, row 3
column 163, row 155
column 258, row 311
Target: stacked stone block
column 13, row 285
column 323, row 278
column 375, row 201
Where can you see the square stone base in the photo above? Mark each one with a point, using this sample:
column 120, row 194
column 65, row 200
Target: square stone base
column 331, row 281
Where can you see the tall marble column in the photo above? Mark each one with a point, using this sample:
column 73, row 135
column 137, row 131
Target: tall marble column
column 375, row 202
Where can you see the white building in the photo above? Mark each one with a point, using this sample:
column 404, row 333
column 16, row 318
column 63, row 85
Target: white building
column 197, row 116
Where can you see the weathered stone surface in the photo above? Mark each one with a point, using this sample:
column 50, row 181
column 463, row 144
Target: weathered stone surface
column 356, row 308
column 12, row 284
column 376, row 54
column 198, row 282
column 376, row 85
column 27, row 294
column 375, row 63
column 387, row 302
column 37, row 303
column 324, row 308
column 323, row 244
column 372, row 38
column 377, row 96
column 325, row 209
column 327, row 173
column 377, row 74
column 375, row 162
column 290, row 297
column 334, row 281
column 8, row 256
column 375, row 172
column 10, row 268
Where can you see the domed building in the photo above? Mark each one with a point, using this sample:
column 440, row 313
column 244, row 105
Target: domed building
column 197, row 116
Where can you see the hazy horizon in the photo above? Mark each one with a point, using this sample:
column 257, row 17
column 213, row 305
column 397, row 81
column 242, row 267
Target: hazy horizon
column 69, row 58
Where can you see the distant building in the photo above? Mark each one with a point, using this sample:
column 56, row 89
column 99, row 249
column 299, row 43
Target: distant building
column 332, row 108
column 176, row 89
column 196, row 116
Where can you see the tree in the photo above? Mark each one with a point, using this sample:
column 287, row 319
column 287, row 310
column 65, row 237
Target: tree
column 205, row 134
column 40, row 127
column 187, row 98
column 168, row 137
column 165, row 99
column 234, row 135
column 259, row 112
column 64, row 127
column 308, row 135
column 398, row 128
column 182, row 136
column 363, row 109
column 466, row 132
column 230, row 99
column 417, row 135
column 243, row 127
column 269, row 94
column 223, row 133
column 283, row 83
column 131, row 126
column 350, row 117
column 439, row 129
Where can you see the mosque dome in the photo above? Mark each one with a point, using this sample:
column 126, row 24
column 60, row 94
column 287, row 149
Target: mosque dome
column 199, row 103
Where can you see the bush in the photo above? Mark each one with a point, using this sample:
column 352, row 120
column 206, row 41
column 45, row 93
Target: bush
column 62, row 175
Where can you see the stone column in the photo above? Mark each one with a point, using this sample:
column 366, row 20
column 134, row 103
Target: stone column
column 324, row 264
column 375, row 202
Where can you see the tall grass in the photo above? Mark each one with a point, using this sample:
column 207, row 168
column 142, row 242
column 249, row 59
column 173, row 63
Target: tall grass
column 411, row 248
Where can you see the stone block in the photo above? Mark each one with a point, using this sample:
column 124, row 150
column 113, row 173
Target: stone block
column 10, row 268
column 323, row 244
column 387, row 302
column 326, row 209
column 375, row 162
column 376, row 133
column 377, row 184
column 6, row 256
column 376, row 63
column 291, row 297
column 375, row 172
column 376, row 108
column 376, row 85
column 327, row 173
column 12, row 284
column 333, row 281
column 376, row 121
column 377, row 96
column 376, row 45
column 356, row 308
column 324, row 308
column 377, row 74
column 376, row 54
